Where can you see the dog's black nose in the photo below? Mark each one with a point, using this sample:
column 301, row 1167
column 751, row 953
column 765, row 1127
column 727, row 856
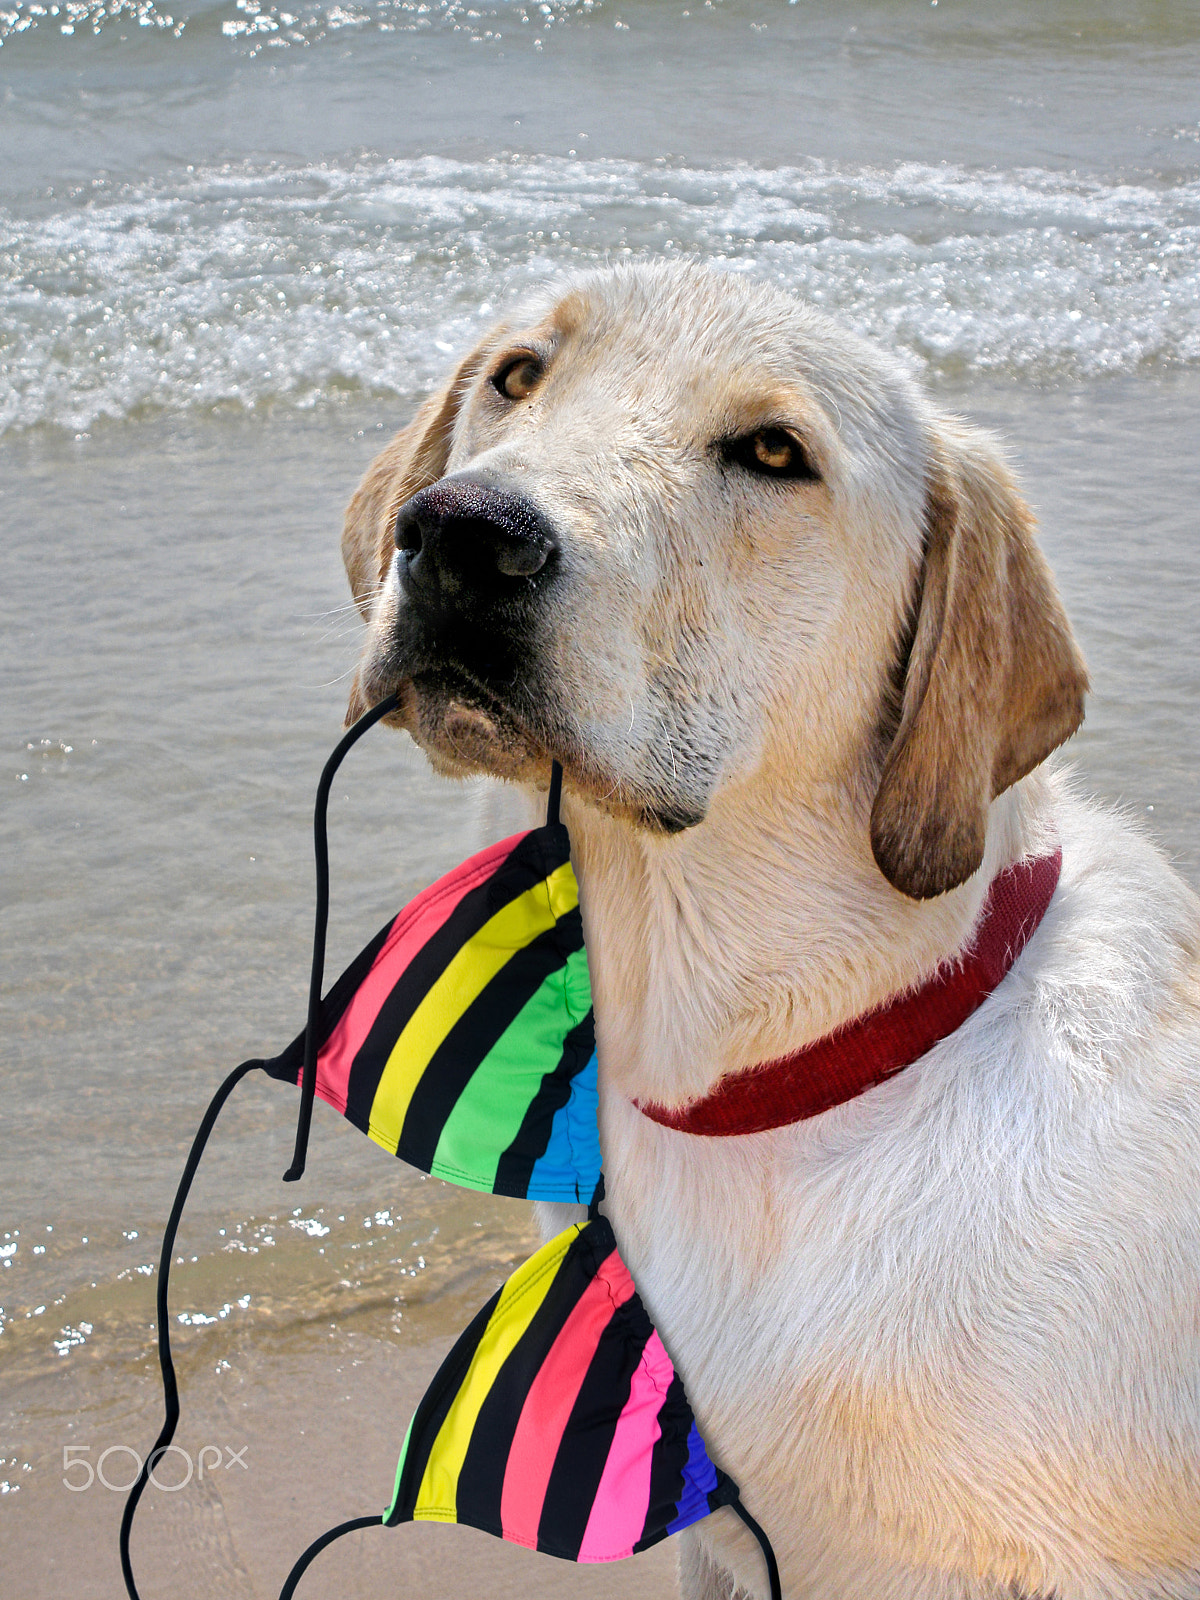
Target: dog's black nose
column 464, row 543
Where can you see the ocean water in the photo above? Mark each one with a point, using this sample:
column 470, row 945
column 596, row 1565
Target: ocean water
column 238, row 242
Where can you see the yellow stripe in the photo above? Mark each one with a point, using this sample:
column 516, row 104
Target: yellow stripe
column 437, row 1499
column 463, row 981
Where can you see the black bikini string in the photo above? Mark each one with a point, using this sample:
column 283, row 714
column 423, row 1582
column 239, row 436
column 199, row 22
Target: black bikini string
column 315, row 1548
column 321, row 849
column 326, row 1539
column 166, row 1365
column 308, row 1090
column 207, row 1122
column 555, row 794
column 764, row 1545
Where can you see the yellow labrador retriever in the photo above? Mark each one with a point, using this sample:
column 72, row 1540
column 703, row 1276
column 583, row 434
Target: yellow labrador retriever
column 786, row 627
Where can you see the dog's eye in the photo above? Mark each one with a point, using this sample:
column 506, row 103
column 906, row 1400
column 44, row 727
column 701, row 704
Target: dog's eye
column 771, row 453
column 518, row 378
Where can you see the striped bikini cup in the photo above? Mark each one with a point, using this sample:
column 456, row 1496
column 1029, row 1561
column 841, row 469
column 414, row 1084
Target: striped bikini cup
column 462, row 1040
column 558, row 1421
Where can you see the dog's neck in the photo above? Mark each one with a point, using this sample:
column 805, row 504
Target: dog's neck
column 760, row 930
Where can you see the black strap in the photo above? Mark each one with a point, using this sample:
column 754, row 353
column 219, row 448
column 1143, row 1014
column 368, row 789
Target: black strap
column 315, row 1548
column 165, row 1363
column 327, row 1538
column 321, row 925
column 555, row 794
column 764, row 1545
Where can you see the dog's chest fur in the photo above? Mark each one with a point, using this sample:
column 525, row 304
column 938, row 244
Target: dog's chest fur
column 931, row 1332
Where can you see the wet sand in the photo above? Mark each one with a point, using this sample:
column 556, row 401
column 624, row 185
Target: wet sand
column 319, row 1412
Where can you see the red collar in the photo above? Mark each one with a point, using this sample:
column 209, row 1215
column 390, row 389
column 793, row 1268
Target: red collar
column 864, row 1052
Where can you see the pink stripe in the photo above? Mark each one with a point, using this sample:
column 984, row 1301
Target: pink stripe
column 552, row 1394
column 413, row 927
column 619, row 1509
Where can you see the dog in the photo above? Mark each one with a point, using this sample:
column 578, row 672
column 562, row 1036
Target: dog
column 787, row 629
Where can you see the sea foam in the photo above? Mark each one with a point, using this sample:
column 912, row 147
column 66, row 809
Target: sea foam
column 248, row 284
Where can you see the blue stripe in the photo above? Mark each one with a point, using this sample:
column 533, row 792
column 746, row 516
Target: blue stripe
column 571, row 1161
column 699, row 1481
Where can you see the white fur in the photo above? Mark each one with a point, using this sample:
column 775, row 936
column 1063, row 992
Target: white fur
column 946, row 1336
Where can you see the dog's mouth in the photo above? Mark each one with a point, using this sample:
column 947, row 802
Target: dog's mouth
column 495, row 717
column 465, row 727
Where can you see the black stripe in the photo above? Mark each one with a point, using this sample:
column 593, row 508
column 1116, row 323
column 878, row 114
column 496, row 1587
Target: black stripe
column 433, row 1409
column 481, row 1480
column 516, row 1165
column 520, row 870
column 545, row 849
column 458, row 1057
column 579, row 1464
column 725, row 1493
column 667, row 1463
column 425, row 968
column 290, row 1063
column 541, row 852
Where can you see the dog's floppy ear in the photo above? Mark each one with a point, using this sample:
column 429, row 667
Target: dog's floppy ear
column 994, row 679
column 415, row 457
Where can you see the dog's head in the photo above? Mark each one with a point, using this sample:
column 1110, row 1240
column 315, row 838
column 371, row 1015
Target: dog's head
column 673, row 528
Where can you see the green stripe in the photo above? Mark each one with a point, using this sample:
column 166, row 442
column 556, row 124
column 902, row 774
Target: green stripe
column 491, row 1109
column 400, row 1468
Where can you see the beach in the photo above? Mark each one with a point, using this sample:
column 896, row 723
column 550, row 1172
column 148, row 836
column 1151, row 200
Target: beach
column 238, row 244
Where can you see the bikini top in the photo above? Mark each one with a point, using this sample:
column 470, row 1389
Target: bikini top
column 462, row 1040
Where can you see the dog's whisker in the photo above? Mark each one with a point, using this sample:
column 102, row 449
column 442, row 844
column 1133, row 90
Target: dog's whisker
column 351, row 607
column 329, row 683
column 372, row 592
